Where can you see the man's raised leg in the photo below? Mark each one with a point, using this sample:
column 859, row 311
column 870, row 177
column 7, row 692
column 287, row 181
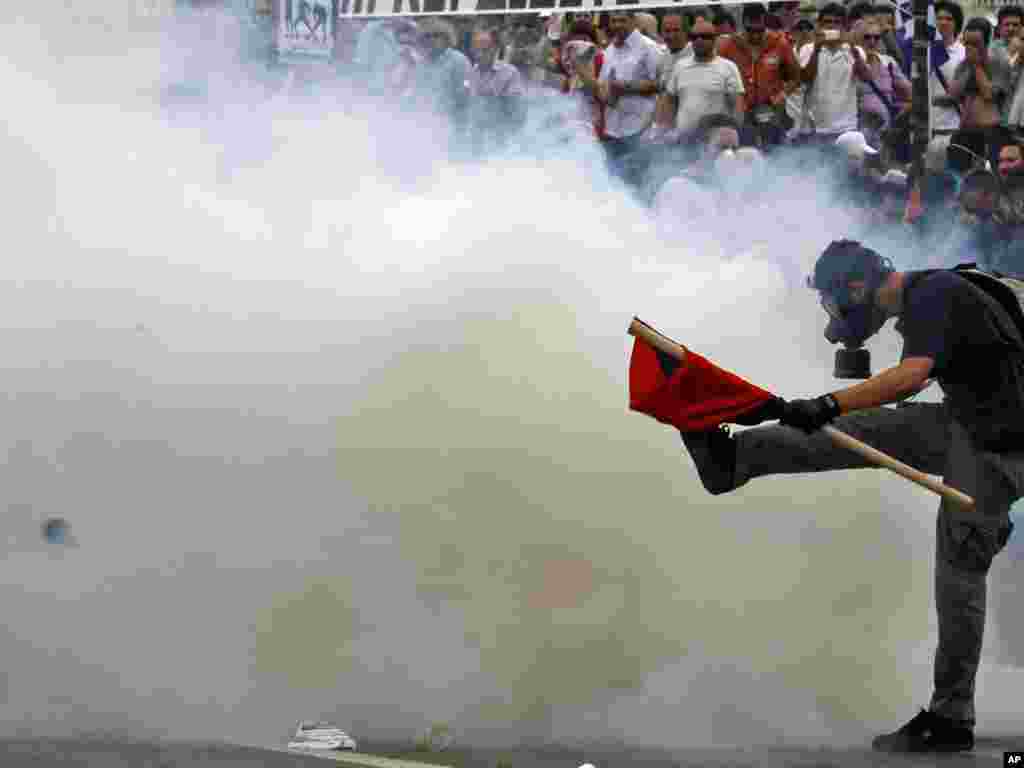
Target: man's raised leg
column 916, row 434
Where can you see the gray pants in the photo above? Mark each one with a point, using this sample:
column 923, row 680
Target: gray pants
column 924, row 436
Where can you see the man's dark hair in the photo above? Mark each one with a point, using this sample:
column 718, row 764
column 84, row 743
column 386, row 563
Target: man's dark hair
column 1010, row 10
column 954, row 10
column 844, row 261
column 723, row 17
column 859, row 11
column 980, row 25
column 753, row 12
column 835, row 10
column 886, row 10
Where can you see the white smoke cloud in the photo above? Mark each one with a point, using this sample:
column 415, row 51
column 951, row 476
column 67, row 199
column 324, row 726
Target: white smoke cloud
column 341, row 430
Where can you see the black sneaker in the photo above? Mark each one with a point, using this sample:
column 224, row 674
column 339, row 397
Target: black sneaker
column 927, row 732
column 714, row 453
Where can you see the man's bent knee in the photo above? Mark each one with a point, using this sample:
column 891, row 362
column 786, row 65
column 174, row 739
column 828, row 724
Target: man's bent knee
column 970, row 546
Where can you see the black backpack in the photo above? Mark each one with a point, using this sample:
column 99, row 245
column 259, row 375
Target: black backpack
column 1006, row 289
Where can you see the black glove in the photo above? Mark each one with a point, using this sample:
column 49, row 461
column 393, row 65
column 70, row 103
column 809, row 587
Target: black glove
column 809, row 415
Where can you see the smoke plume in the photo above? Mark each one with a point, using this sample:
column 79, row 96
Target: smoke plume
column 340, row 428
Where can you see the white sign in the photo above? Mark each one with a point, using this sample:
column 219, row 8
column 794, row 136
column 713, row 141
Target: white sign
column 364, row 8
column 307, row 27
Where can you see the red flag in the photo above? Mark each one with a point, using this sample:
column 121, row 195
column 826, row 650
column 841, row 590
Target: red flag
column 693, row 395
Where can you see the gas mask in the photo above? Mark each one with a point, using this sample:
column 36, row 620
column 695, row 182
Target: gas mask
column 851, row 322
column 852, row 325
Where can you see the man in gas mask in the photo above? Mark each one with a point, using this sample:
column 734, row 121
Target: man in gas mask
column 968, row 338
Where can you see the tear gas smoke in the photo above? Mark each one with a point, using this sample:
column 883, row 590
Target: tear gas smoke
column 342, row 431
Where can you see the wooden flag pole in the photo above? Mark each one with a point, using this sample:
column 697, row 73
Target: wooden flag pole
column 664, row 344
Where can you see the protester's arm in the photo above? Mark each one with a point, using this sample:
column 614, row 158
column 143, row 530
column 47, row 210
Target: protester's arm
column 889, row 386
column 927, row 325
column 790, row 74
column 588, row 70
column 602, row 77
column 639, row 87
column 900, row 84
column 667, row 105
column 985, row 88
column 860, row 67
column 647, row 82
column 733, row 106
column 892, row 46
column 734, row 90
column 959, row 81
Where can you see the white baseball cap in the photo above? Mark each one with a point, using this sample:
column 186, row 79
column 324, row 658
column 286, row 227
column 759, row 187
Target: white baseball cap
column 854, row 144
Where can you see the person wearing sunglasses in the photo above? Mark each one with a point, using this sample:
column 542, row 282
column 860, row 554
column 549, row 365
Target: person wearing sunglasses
column 969, row 336
column 706, row 84
column 886, row 93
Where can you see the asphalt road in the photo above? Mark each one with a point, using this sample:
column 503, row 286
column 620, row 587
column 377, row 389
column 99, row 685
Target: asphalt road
column 97, row 753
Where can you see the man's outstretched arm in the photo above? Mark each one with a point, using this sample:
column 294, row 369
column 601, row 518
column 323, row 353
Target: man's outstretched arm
column 890, row 386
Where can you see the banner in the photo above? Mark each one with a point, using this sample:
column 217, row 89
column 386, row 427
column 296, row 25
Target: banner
column 974, row 8
column 307, row 27
column 366, row 8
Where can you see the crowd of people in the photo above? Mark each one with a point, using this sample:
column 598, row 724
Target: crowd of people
column 684, row 105
column 677, row 100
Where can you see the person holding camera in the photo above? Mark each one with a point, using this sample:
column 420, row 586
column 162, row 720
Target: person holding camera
column 702, row 85
column 887, row 92
column 962, row 329
column 831, row 67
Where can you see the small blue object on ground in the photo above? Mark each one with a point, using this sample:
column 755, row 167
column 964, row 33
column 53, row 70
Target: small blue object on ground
column 55, row 531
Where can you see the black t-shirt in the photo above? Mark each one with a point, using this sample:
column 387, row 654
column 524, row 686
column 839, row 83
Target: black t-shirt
column 978, row 352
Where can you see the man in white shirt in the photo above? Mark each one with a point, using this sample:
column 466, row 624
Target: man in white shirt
column 945, row 115
column 627, row 87
column 831, row 66
column 706, row 84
